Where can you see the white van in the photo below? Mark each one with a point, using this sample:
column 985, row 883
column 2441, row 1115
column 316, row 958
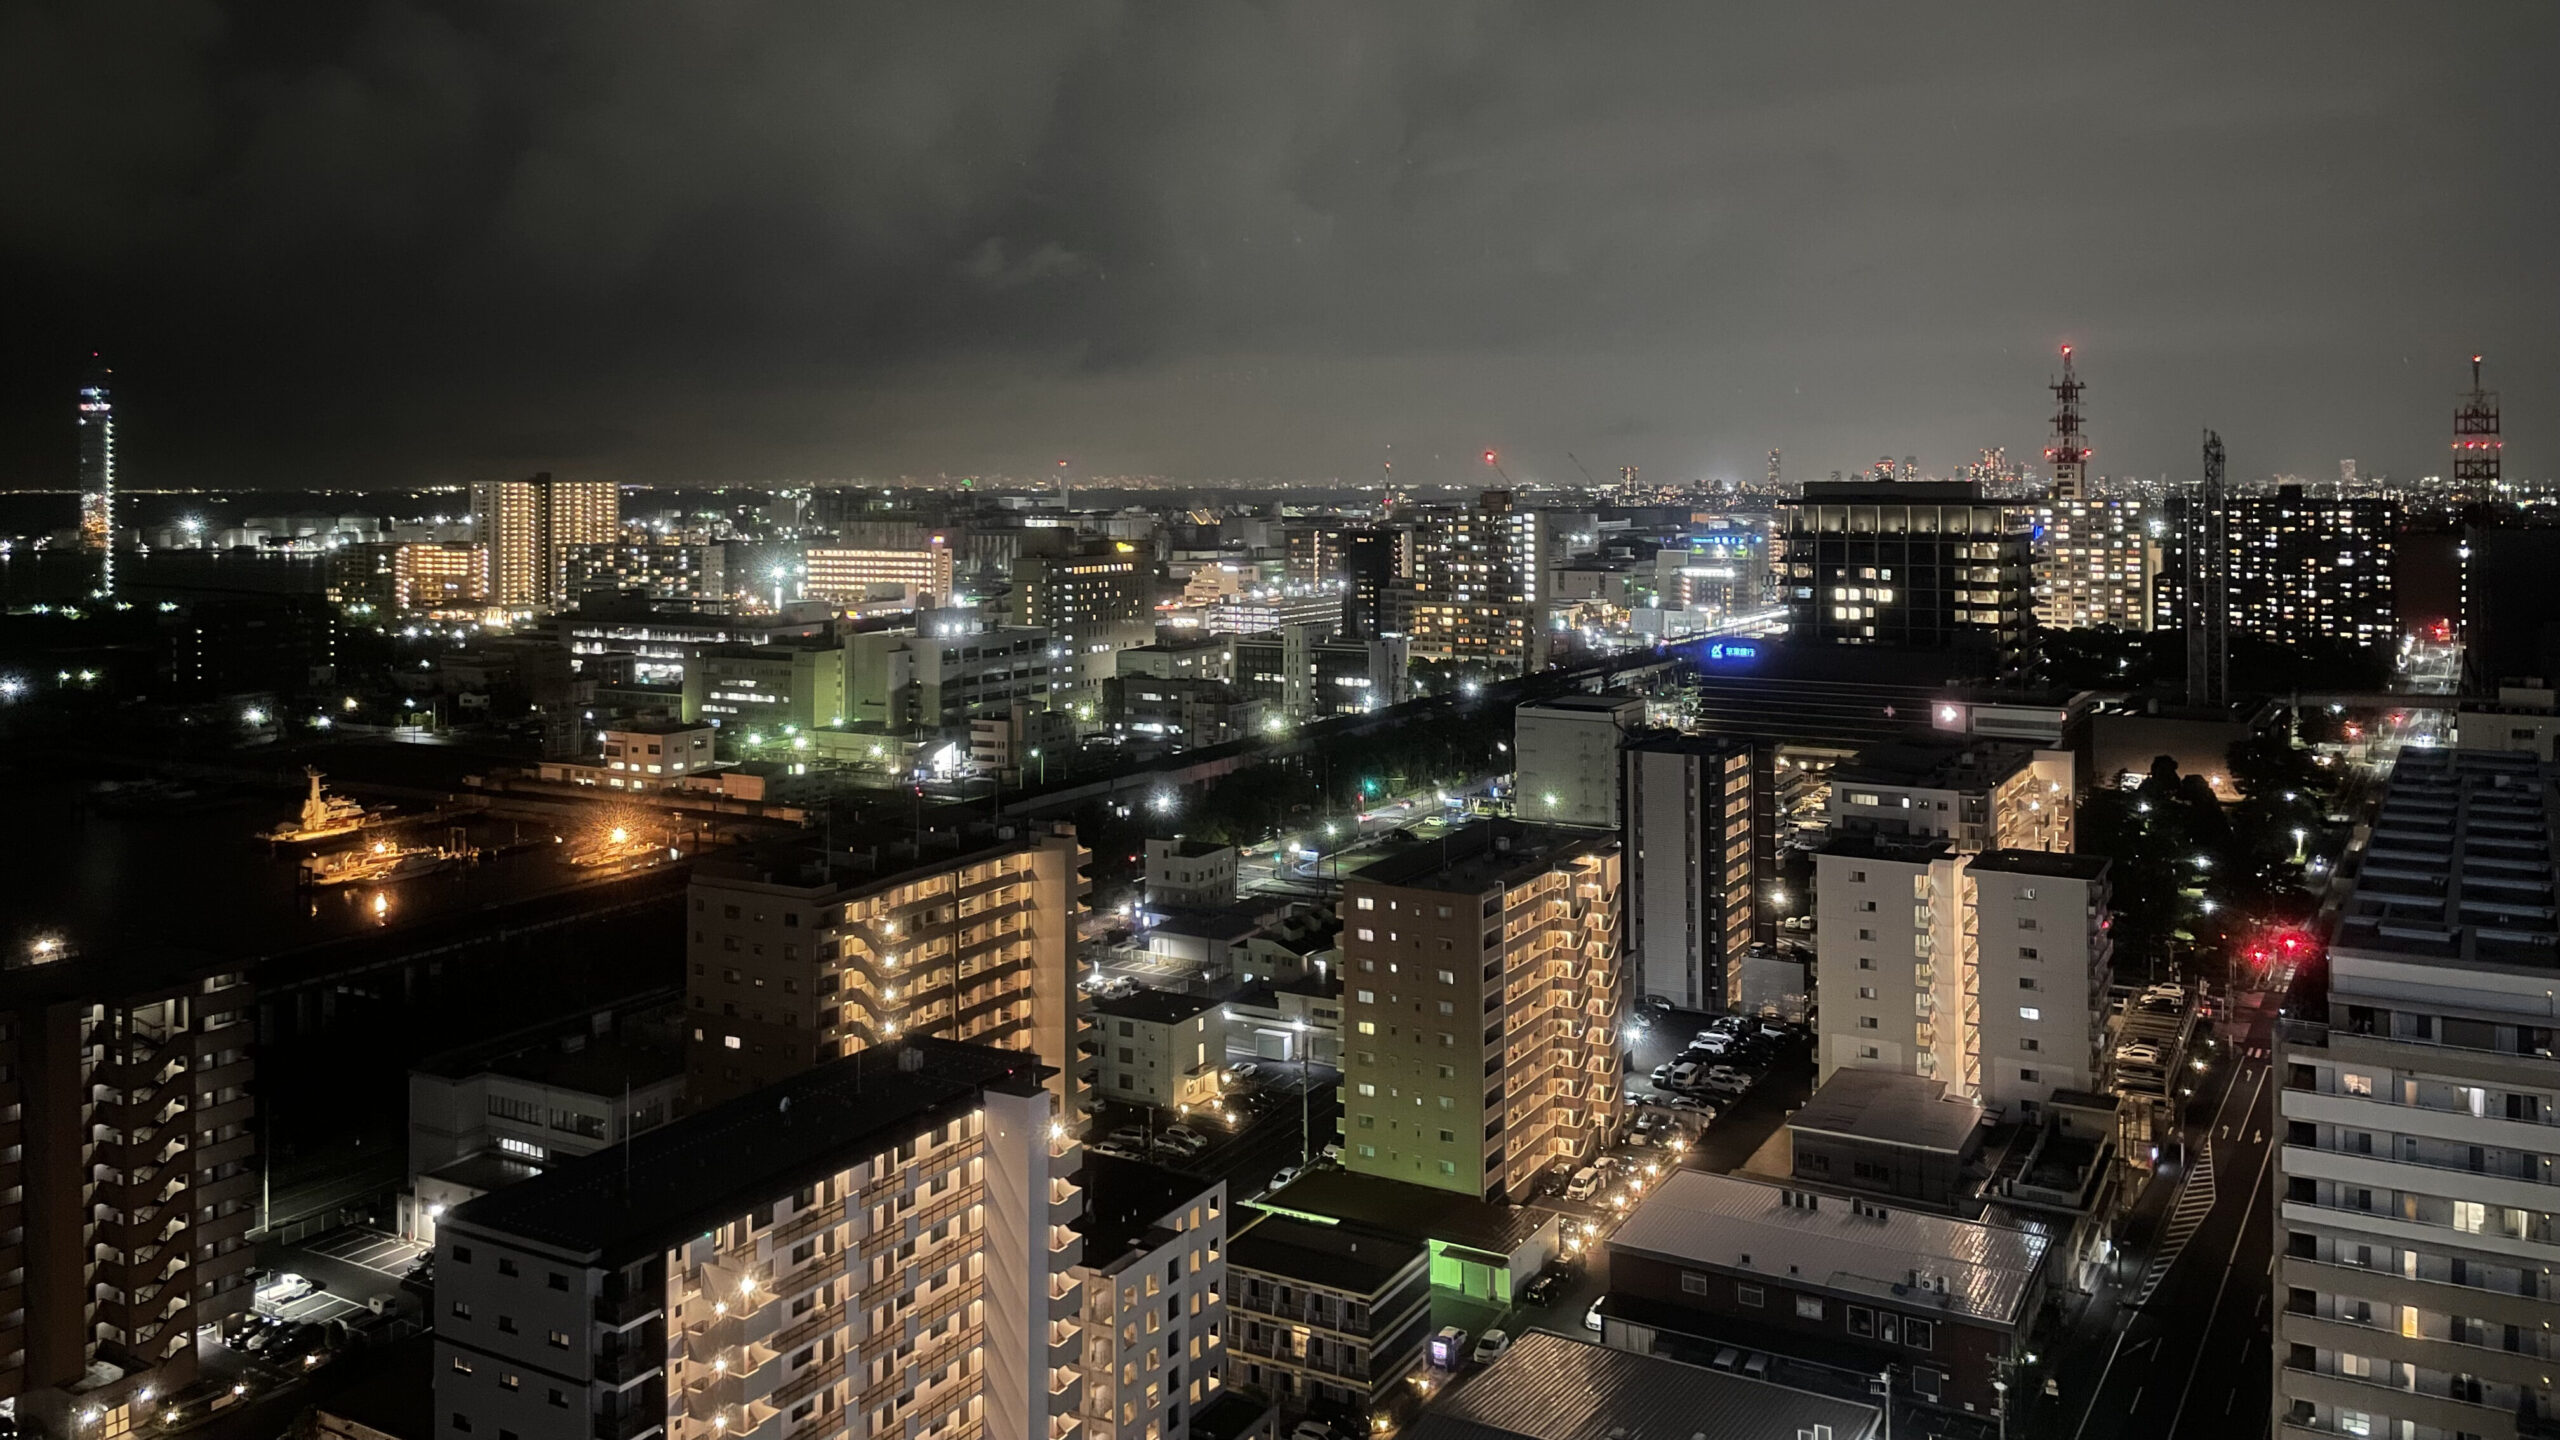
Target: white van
column 1586, row 1183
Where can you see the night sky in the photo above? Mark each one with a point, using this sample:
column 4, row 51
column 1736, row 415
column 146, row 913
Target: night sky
column 385, row 243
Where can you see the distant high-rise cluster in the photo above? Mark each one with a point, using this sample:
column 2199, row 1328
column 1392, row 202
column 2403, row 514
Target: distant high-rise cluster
column 98, row 473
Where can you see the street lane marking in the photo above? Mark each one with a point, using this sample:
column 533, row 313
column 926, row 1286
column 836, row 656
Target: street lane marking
column 2239, row 1235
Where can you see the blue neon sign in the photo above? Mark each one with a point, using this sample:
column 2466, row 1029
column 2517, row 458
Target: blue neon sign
column 1732, row 650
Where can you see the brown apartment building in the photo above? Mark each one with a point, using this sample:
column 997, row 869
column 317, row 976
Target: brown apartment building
column 1482, row 988
column 128, row 1183
column 795, row 956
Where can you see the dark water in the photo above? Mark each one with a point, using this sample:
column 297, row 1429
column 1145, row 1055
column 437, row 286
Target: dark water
column 109, row 883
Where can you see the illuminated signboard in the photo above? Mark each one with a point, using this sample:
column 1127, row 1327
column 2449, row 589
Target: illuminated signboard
column 1729, row 650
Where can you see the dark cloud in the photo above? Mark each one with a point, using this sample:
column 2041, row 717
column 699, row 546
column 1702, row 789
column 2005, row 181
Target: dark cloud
column 395, row 242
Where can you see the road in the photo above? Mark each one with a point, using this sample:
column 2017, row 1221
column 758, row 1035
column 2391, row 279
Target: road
column 2192, row 1359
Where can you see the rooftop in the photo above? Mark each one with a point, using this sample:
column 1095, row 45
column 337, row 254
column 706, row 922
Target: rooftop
column 682, row 1178
column 1848, row 1247
column 1323, row 1256
column 1488, row 855
column 654, row 727
column 802, row 862
column 639, row 1048
column 1584, row 704
column 1160, row 1007
column 2043, row 862
column 2459, row 868
column 1549, row 1387
column 1915, row 765
column 1889, row 1109
column 1408, row 1212
column 1125, row 1203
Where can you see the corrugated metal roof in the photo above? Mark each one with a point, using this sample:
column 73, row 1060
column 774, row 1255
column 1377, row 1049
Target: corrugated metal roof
column 1850, row 1247
column 1549, row 1387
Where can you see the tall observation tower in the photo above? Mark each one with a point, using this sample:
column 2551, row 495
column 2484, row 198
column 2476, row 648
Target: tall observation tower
column 2476, row 443
column 2069, row 451
column 98, row 472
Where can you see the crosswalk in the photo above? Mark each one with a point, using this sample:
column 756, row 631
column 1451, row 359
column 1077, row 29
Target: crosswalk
column 2195, row 1201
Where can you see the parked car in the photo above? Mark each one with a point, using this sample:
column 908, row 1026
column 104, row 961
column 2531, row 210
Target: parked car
column 283, row 1289
column 1757, row 1367
column 1773, row 1031
column 1542, row 1291
column 1449, row 1348
column 1685, row 1074
column 1591, row 1317
column 1490, row 1345
column 1245, row 1069
column 1662, row 1073
column 2138, row 1054
column 1727, row 1358
column 1311, row 1430
column 1728, row 1084
column 1586, row 1183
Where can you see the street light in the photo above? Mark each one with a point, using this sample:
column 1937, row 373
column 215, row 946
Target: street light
column 1044, row 764
column 2299, row 835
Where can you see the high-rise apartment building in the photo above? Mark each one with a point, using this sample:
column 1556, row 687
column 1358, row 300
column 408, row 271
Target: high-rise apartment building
column 1919, row 974
column 844, row 574
column 1097, row 600
column 1372, row 561
column 2036, row 1003
column 2095, row 564
column 1690, row 867
column 2297, row 568
column 98, row 472
column 1483, row 979
column 528, row 527
column 130, row 1179
column 1154, row 1282
column 2414, row 1228
column 1480, row 594
column 796, row 957
column 1924, row 565
column 884, row 1245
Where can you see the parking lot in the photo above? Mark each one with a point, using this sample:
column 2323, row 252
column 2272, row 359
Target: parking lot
column 347, row 1269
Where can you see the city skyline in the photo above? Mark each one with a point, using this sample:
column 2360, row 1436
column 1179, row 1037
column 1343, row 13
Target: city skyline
column 389, row 249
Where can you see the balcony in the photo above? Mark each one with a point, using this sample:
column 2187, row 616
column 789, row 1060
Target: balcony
column 627, row 1424
column 622, row 1364
column 621, row 1307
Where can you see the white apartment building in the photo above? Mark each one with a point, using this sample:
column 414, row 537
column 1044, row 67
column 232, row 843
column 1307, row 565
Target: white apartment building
column 1894, row 950
column 942, row 677
column 2421, row 1124
column 1567, row 754
column 1154, row 1281
column 2043, row 960
column 1159, row 1048
column 1987, row 972
column 1981, row 796
column 881, row 1247
column 1190, row 872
